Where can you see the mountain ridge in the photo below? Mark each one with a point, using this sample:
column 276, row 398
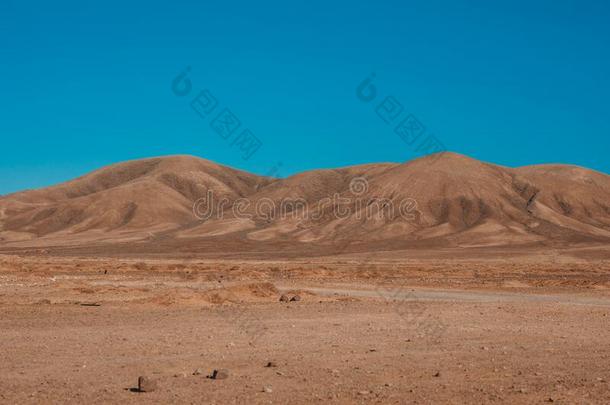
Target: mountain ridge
column 454, row 200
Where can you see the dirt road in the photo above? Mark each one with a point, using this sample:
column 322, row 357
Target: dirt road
column 391, row 293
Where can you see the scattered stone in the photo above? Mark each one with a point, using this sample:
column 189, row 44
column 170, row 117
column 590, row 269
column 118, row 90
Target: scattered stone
column 296, row 298
column 146, row 384
column 141, row 266
column 284, row 298
column 220, row 374
column 271, row 364
column 267, row 389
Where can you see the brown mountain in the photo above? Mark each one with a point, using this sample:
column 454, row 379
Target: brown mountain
column 445, row 199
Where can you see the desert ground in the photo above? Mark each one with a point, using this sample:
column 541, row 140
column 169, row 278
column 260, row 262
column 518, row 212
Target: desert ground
column 394, row 327
column 491, row 285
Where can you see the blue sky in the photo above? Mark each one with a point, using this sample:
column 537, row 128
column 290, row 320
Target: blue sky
column 511, row 82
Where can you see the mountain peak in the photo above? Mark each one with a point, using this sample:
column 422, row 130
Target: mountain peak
column 456, row 200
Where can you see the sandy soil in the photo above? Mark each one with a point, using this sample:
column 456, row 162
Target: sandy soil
column 82, row 331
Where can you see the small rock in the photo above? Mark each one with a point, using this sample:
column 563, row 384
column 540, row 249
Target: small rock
column 271, row 364
column 146, row 384
column 181, row 375
column 284, row 298
column 267, row 389
column 363, row 392
column 438, row 374
column 198, row 372
column 221, row 374
column 295, row 298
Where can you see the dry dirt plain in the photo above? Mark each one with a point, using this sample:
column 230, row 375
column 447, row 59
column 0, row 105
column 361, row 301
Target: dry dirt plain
column 366, row 330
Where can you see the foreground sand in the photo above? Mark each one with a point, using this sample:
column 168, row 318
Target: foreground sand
column 83, row 330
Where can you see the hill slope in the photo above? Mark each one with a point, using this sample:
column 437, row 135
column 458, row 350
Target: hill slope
column 445, row 199
column 131, row 197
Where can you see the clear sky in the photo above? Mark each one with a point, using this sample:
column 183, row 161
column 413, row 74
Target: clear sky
column 511, row 82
